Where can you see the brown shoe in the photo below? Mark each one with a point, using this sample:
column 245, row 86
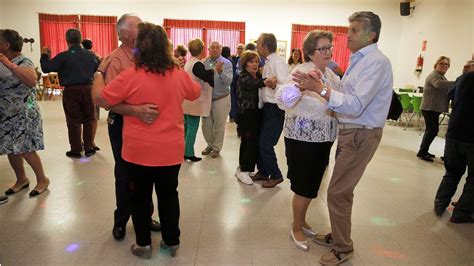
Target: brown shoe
column 272, row 182
column 206, row 151
column 258, row 176
column 215, row 154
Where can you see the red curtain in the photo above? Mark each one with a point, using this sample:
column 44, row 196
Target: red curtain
column 341, row 53
column 101, row 31
column 228, row 33
column 53, row 29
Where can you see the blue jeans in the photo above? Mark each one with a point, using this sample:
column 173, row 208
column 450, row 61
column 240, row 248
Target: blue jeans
column 272, row 126
column 457, row 157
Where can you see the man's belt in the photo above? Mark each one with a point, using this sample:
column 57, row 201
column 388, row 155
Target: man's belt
column 352, row 126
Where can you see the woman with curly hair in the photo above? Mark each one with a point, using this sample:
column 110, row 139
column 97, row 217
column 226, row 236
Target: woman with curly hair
column 153, row 151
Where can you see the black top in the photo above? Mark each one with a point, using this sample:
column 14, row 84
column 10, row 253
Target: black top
column 199, row 70
column 247, row 91
column 76, row 66
column 461, row 121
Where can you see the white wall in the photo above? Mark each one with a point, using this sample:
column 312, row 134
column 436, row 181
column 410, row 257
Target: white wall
column 400, row 39
column 447, row 26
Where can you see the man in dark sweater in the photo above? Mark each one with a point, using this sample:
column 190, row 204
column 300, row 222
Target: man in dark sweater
column 75, row 68
column 459, row 152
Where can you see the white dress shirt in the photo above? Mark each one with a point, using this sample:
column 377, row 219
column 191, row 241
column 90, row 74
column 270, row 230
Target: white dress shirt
column 365, row 93
column 275, row 66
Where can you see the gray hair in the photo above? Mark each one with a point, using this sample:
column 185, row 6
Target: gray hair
column 269, row 42
column 311, row 42
column 122, row 22
column 370, row 21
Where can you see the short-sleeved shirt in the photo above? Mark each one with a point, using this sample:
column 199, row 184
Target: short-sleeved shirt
column 160, row 143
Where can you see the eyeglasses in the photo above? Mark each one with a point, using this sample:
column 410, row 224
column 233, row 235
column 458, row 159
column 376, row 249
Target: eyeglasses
column 325, row 50
column 443, row 64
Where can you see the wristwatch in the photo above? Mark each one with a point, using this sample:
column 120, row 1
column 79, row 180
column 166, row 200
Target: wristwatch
column 323, row 92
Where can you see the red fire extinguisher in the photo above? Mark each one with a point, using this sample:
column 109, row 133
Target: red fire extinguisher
column 419, row 64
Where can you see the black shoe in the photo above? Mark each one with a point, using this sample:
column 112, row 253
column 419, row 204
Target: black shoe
column 96, row 148
column 192, row 158
column 3, row 199
column 71, row 154
column 426, row 158
column 442, row 158
column 89, row 153
column 118, row 233
column 462, row 219
column 439, row 211
column 155, row 226
column 431, row 155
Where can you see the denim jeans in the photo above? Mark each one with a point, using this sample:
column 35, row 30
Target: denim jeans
column 272, row 126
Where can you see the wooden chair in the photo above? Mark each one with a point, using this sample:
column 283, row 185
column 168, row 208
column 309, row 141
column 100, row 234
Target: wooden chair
column 54, row 85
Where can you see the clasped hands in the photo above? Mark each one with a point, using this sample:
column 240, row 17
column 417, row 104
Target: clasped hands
column 4, row 60
column 271, row 82
column 311, row 81
column 147, row 113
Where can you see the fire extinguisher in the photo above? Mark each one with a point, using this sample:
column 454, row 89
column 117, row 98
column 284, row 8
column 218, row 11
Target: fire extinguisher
column 419, row 64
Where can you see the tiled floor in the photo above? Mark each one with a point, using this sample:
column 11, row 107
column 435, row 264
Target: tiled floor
column 226, row 222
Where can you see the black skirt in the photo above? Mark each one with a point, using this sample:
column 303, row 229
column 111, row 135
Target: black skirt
column 307, row 162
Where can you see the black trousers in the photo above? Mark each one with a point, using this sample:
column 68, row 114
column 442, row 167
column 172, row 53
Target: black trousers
column 165, row 179
column 122, row 185
column 432, row 129
column 457, row 156
column 248, row 129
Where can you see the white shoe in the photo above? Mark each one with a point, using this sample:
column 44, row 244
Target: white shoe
column 244, row 177
column 303, row 245
column 309, row 232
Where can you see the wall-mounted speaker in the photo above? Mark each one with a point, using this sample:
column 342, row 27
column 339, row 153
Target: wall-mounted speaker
column 405, row 8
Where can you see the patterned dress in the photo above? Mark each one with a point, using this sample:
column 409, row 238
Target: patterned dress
column 21, row 126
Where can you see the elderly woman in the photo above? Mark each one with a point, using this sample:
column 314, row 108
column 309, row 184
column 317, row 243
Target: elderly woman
column 248, row 114
column 435, row 101
column 193, row 110
column 21, row 131
column 153, row 151
column 310, row 130
column 295, row 59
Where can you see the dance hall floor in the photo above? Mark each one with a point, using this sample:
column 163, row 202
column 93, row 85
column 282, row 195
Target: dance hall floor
column 224, row 222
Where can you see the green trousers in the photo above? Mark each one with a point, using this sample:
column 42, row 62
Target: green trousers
column 191, row 125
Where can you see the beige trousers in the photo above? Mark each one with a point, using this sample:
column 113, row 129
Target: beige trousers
column 213, row 126
column 355, row 149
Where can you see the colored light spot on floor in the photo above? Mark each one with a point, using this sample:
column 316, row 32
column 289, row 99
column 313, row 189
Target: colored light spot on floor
column 390, row 254
column 245, row 201
column 80, row 183
column 395, row 179
column 84, row 160
column 211, row 172
column 72, row 248
column 381, row 221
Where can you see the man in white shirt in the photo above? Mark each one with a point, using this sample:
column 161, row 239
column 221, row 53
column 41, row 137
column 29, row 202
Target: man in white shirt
column 272, row 117
column 361, row 105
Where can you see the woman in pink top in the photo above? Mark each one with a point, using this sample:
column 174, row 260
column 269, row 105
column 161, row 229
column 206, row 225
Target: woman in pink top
column 154, row 150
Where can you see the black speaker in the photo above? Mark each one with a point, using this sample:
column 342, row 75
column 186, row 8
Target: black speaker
column 405, row 8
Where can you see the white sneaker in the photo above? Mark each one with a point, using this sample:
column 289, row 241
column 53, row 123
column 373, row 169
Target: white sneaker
column 244, row 177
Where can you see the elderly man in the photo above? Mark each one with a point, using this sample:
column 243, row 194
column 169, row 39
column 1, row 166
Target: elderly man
column 213, row 126
column 75, row 68
column 233, row 89
column 361, row 105
column 272, row 116
column 459, row 151
column 120, row 59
